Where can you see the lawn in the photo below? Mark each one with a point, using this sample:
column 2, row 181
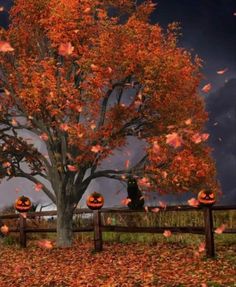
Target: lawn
column 119, row 264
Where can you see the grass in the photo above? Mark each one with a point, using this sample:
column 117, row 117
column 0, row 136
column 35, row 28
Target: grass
column 160, row 219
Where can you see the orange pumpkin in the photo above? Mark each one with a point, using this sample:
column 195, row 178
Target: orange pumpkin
column 95, row 201
column 206, row 197
column 23, row 204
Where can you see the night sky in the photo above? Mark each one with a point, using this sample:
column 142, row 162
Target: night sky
column 208, row 29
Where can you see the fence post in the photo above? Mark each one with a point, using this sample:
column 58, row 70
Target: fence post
column 209, row 236
column 97, row 230
column 22, row 230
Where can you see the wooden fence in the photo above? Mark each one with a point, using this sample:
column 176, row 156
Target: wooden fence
column 98, row 227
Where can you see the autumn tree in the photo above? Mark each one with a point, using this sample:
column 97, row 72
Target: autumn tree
column 84, row 76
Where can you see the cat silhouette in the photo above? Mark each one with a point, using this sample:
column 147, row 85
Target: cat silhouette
column 134, row 194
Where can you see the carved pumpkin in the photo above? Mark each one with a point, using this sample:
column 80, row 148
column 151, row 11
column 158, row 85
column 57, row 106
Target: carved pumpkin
column 206, row 197
column 95, row 201
column 23, row 204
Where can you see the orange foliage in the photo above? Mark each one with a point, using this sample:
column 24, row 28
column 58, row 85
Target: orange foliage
column 83, row 81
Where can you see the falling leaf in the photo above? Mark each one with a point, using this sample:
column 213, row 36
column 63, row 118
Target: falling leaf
column 146, row 208
column 4, row 229
column 109, row 69
column 193, row 202
column 188, row 122
column 234, row 13
column 205, row 136
column 5, row 47
column 87, row 10
column 155, row 209
column 167, row 233
column 96, row 148
column 164, row 174
column 174, row 140
column 14, row 122
column 45, row 244
column 65, row 49
column 23, row 214
column 221, row 72
column 72, row 167
column 93, row 126
column 44, row 136
column 127, row 162
column 125, row 201
column 156, row 148
column 94, row 67
column 207, row 88
column 6, row 164
column 64, row 127
column 144, row 182
column 109, row 221
column 198, row 138
column 1, row 8
column 202, row 247
column 162, row 204
column 38, row 186
column 220, row 229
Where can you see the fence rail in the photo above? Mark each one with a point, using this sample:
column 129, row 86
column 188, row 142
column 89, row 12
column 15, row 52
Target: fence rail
column 98, row 227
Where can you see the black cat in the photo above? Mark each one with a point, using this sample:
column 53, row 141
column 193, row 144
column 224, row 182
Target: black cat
column 137, row 200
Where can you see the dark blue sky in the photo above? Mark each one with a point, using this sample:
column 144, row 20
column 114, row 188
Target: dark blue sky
column 209, row 30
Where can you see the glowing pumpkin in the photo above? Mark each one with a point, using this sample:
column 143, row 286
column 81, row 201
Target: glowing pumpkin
column 95, row 201
column 206, row 197
column 23, row 204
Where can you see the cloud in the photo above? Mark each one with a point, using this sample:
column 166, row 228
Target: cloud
column 221, row 107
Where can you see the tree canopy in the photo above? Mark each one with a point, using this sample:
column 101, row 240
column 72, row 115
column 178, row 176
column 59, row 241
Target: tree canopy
column 84, row 76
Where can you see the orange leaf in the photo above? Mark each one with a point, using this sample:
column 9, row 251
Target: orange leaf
column 45, row 244
column 65, row 49
column 96, row 148
column 155, row 209
column 193, row 202
column 87, row 10
column 126, row 201
column 5, row 229
column 207, row 88
column 5, row 47
column 162, row 204
column 64, row 127
column 72, row 167
column 221, row 72
column 202, row 247
column 167, row 233
column 44, row 136
column 127, row 162
column 38, row 186
column 174, row 140
column 220, row 229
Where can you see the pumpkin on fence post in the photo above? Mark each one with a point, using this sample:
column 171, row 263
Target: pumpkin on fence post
column 95, row 201
column 23, row 204
column 206, row 197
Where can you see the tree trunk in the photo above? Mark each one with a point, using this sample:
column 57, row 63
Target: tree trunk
column 64, row 222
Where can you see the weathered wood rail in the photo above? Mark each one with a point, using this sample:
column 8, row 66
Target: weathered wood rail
column 98, row 227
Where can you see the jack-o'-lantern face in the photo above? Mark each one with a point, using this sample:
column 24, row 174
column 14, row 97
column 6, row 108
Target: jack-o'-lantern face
column 206, row 197
column 23, row 204
column 95, row 201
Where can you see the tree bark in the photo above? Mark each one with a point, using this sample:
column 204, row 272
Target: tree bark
column 64, row 222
